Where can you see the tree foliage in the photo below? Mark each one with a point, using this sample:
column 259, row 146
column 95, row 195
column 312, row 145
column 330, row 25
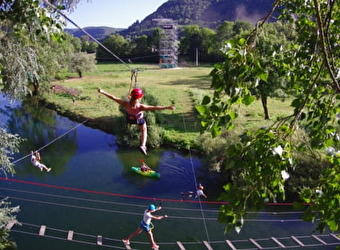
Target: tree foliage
column 82, row 62
column 310, row 67
column 25, row 25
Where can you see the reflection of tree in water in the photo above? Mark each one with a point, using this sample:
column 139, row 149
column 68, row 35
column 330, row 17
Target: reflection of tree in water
column 39, row 126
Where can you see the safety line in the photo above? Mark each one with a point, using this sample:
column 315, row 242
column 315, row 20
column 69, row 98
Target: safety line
column 104, row 193
column 213, row 219
column 136, row 205
column 196, row 186
column 84, row 31
column 100, row 201
column 212, row 211
column 79, row 124
column 132, row 213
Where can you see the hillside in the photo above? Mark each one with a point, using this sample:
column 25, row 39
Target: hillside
column 204, row 13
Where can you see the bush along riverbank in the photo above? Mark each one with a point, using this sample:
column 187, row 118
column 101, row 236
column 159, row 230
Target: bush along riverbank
column 158, row 136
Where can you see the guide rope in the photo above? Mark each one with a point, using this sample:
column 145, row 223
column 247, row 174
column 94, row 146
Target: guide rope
column 57, row 201
column 195, row 181
column 85, row 32
column 52, row 141
column 134, row 72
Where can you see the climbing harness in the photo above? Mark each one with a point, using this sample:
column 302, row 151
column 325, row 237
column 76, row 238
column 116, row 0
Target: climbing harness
column 134, row 74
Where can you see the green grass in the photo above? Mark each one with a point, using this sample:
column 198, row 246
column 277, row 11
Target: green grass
column 181, row 87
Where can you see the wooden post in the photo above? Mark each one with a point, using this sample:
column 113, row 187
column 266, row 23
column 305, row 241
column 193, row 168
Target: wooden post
column 296, row 240
column 207, row 245
column 230, row 245
column 42, row 230
column 99, row 240
column 180, row 245
column 318, row 239
column 278, row 242
column 256, row 244
column 70, row 235
column 10, row 224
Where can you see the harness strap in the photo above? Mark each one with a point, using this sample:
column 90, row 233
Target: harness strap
column 134, row 74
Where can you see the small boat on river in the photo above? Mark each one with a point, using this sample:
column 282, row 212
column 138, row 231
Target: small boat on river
column 147, row 173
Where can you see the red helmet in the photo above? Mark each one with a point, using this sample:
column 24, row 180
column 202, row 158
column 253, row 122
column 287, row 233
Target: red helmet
column 136, row 93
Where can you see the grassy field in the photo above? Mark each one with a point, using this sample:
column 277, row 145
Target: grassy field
column 181, row 87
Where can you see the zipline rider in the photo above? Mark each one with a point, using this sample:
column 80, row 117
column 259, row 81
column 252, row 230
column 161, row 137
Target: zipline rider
column 135, row 110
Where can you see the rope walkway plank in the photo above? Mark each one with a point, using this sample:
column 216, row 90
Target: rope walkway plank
column 301, row 241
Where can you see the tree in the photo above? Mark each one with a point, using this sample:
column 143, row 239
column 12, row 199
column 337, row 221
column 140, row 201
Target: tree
column 264, row 157
column 88, row 46
column 190, row 41
column 117, row 44
column 141, row 46
column 271, row 38
column 82, row 62
column 22, row 24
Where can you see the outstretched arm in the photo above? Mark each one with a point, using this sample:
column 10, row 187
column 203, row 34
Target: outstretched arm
column 159, row 217
column 151, row 108
column 112, row 97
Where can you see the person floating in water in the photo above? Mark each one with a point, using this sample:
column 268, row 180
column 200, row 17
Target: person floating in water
column 190, row 194
column 145, row 226
column 35, row 159
column 135, row 110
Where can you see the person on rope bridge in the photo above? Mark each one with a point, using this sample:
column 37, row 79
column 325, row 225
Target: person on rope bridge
column 134, row 109
column 199, row 192
column 35, row 159
column 146, row 226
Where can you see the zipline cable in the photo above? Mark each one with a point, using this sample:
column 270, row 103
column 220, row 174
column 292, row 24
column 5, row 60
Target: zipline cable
column 84, row 31
column 104, row 193
column 53, row 140
column 195, row 181
column 125, row 204
column 120, row 211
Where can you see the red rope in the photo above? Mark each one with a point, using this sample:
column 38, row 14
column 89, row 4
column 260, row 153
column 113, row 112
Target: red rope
column 105, row 193
column 128, row 196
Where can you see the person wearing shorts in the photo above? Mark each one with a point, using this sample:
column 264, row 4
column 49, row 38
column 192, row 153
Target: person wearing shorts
column 145, row 226
column 134, row 110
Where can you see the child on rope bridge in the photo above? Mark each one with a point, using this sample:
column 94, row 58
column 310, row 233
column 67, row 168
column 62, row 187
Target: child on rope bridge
column 145, row 226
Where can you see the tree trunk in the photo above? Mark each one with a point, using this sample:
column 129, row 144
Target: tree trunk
column 265, row 107
column 80, row 74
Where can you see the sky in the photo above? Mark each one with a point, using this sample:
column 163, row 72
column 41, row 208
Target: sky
column 112, row 13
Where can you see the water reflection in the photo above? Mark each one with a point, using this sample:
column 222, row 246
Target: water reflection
column 39, row 127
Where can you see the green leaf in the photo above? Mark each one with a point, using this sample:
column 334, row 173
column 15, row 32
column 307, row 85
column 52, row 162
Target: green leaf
column 206, row 100
column 263, row 76
column 201, row 109
column 248, row 99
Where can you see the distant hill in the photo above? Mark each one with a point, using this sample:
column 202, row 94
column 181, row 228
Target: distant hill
column 99, row 33
column 204, row 13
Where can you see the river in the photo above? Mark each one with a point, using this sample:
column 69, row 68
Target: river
column 91, row 191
